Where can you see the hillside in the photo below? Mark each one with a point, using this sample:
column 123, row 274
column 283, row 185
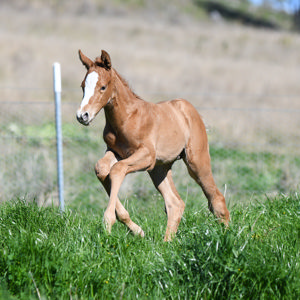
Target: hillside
column 164, row 52
column 159, row 52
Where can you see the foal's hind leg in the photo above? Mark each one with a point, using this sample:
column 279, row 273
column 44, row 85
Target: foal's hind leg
column 102, row 170
column 198, row 163
column 162, row 179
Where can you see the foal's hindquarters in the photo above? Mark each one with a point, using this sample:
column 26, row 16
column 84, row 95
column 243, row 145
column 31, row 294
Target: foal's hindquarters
column 191, row 132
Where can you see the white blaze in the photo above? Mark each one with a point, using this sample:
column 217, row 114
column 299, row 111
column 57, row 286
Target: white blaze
column 89, row 89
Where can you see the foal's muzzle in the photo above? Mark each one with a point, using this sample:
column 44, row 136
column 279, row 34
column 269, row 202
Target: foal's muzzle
column 83, row 117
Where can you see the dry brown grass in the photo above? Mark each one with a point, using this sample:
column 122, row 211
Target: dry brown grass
column 163, row 54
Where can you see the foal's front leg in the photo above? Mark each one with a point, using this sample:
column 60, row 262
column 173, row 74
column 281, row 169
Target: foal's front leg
column 102, row 170
column 142, row 159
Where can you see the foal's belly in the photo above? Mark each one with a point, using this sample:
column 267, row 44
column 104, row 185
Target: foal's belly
column 169, row 149
column 172, row 136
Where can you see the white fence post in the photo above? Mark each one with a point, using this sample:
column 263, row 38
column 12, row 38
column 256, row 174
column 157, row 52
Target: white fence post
column 59, row 149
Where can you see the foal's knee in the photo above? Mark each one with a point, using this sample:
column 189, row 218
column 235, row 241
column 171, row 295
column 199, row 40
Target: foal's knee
column 102, row 169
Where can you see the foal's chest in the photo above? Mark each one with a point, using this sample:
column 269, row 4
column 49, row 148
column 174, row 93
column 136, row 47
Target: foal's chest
column 118, row 144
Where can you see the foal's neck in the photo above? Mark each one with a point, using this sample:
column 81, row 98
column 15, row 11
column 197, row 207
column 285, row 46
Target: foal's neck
column 123, row 89
column 123, row 102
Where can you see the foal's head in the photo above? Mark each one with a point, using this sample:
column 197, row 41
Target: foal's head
column 96, row 86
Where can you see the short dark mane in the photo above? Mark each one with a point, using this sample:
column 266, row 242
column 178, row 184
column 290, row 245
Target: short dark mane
column 126, row 84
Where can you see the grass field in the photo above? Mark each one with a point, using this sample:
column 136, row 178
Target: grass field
column 46, row 255
column 28, row 166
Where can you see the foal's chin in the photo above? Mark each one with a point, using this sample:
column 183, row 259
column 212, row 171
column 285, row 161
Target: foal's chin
column 85, row 123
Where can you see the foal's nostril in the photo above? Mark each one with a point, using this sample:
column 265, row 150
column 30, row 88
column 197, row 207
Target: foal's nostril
column 85, row 116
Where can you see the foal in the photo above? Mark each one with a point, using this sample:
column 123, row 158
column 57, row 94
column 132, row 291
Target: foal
column 143, row 136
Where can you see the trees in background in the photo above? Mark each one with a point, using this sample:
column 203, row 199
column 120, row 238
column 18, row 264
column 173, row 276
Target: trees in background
column 292, row 6
column 273, row 14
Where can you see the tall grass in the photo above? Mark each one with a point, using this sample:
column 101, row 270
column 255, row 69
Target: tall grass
column 44, row 254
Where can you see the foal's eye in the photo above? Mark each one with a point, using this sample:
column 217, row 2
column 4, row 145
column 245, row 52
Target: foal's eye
column 103, row 88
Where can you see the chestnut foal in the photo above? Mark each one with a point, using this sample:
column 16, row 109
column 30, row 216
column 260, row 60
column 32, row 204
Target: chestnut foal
column 143, row 136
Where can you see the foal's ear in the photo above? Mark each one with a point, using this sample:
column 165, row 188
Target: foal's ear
column 106, row 60
column 85, row 60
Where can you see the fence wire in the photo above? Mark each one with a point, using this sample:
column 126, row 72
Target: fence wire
column 254, row 151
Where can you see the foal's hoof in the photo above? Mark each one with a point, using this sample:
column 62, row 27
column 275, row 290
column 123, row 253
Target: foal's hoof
column 107, row 228
column 139, row 232
column 223, row 216
column 108, row 223
column 225, row 221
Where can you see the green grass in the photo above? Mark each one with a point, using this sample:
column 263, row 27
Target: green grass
column 69, row 256
column 28, row 167
column 46, row 255
column 255, row 171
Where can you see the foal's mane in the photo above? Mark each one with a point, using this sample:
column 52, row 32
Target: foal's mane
column 126, row 84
